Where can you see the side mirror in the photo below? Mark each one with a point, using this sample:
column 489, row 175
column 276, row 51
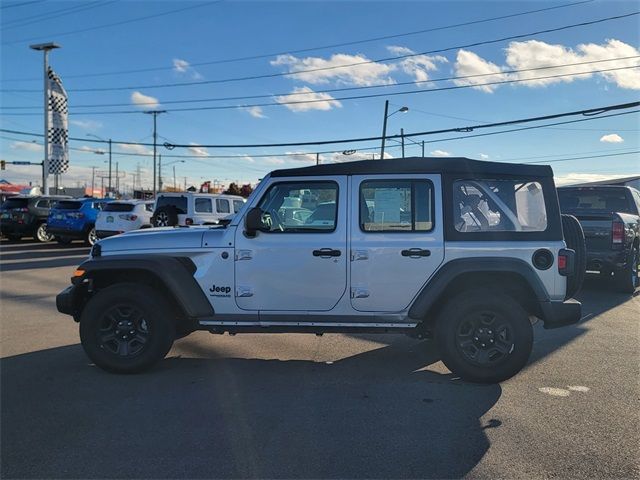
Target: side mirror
column 253, row 222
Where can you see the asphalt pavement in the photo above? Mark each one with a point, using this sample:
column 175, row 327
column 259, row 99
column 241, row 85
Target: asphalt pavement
column 301, row 406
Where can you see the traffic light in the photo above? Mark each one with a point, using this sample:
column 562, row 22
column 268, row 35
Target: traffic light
column 2, row 164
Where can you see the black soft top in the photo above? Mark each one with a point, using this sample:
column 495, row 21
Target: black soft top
column 409, row 165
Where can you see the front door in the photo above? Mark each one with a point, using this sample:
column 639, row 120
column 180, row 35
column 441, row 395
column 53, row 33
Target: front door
column 396, row 239
column 298, row 261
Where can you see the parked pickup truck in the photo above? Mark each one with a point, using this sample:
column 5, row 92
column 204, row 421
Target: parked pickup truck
column 610, row 218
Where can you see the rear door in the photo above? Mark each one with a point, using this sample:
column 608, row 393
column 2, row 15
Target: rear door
column 396, row 239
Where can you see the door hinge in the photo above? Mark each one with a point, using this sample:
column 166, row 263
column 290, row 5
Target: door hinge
column 359, row 255
column 244, row 254
column 244, row 292
column 359, row 292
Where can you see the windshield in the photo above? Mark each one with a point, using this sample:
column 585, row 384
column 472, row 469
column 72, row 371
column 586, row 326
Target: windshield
column 15, row 203
column 595, row 201
column 68, row 205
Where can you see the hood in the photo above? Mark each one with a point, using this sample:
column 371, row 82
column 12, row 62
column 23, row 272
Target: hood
column 163, row 238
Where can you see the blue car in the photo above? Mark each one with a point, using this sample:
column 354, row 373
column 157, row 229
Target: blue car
column 75, row 219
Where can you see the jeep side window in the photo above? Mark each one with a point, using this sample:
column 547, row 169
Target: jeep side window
column 298, row 207
column 237, row 205
column 498, row 206
column 396, row 206
column 222, row 205
column 203, row 205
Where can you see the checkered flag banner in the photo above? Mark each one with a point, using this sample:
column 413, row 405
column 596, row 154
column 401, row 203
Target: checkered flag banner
column 58, row 125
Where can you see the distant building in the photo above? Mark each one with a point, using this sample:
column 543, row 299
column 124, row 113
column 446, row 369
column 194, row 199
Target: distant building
column 624, row 181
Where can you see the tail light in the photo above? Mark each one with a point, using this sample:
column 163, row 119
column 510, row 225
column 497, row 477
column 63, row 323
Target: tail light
column 128, row 216
column 617, row 233
column 75, row 215
column 22, row 209
column 189, row 221
column 566, row 262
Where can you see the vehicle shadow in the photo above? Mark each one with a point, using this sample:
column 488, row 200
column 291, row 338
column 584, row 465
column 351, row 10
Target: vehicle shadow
column 378, row 414
column 48, row 263
column 29, row 254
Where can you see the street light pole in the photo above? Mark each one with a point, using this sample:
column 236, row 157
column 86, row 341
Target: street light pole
column 402, row 138
column 155, row 114
column 45, row 48
column 109, row 183
column 384, row 123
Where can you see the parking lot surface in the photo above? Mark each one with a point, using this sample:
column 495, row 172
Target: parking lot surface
column 301, row 406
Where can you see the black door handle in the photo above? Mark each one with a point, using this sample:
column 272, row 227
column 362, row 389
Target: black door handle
column 327, row 252
column 415, row 252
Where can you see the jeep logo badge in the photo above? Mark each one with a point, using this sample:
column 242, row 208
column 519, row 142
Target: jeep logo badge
column 217, row 291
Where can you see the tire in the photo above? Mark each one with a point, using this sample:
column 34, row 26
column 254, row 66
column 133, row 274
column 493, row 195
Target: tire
column 92, row 237
column 166, row 216
column 105, row 335
column 574, row 238
column 484, row 336
column 42, row 235
column 63, row 240
column 628, row 279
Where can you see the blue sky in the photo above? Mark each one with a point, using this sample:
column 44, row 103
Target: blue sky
column 204, row 32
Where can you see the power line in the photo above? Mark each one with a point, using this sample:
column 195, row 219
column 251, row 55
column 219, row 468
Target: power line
column 108, row 25
column 334, row 67
column 22, row 22
column 338, row 99
column 323, row 47
column 592, row 113
column 364, row 87
column 584, row 158
column 23, row 4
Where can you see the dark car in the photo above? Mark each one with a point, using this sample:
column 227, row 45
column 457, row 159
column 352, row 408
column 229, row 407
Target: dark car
column 610, row 218
column 22, row 216
column 75, row 219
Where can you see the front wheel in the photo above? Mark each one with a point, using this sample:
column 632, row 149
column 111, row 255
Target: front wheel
column 127, row 328
column 484, row 336
column 92, row 237
column 628, row 279
column 42, row 235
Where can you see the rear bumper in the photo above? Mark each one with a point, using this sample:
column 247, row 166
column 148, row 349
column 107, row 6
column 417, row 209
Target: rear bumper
column 560, row 314
column 14, row 228
column 107, row 233
column 65, row 232
column 610, row 260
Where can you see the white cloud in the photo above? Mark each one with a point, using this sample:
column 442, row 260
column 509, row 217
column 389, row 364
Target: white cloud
column 302, row 156
column 273, row 161
column 255, row 112
column 86, row 124
column 26, row 146
column 320, row 101
column 138, row 149
column 144, row 101
column 183, row 67
column 86, row 149
column 535, row 54
column 198, row 151
column 483, row 156
column 573, row 178
column 611, row 138
column 440, row 153
column 468, row 63
column 418, row 65
column 361, row 75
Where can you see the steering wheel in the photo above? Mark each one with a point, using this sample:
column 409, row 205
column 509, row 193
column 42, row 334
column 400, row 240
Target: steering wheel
column 274, row 220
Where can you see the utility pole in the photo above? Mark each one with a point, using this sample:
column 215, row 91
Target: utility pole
column 159, row 173
column 155, row 114
column 402, row 138
column 109, row 184
column 117, row 174
column 45, row 48
column 93, row 180
column 175, row 185
column 185, row 184
column 422, row 148
column 317, row 159
column 384, row 128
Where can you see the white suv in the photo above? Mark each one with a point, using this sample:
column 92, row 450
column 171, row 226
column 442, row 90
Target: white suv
column 458, row 250
column 123, row 216
column 182, row 209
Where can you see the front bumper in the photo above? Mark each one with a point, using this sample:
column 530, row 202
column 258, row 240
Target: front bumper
column 68, row 300
column 560, row 314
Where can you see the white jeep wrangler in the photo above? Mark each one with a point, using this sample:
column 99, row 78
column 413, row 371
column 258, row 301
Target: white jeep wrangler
column 462, row 251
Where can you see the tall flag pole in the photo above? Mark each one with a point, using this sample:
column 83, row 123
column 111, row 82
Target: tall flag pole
column 45, row 48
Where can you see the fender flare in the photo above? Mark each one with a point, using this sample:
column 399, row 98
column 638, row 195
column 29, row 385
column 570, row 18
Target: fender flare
column 434, row 288
column 176, row 274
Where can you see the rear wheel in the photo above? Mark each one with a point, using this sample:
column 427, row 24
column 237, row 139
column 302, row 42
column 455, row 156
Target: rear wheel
column 484, row 336
column 574, row 238
column 628, row 279
column 127, row 328
column 42, row 235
